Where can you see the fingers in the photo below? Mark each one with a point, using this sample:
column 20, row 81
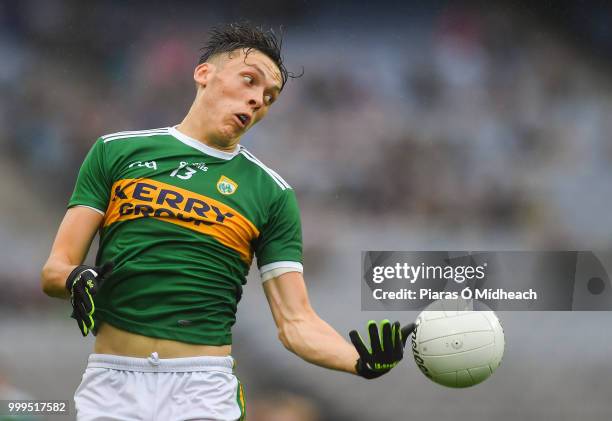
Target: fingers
column 389, row 339
column 362, row 350
column 77, row 314
column 83, row 308
column 407, row 331
column 387, row 336
column 374, row 338
column 85, row 322
column 82, row 327
column 396, row 333
column 78, row 306
column 82, row 300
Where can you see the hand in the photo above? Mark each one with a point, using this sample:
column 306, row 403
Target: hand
column 83, row 283
column 386, row 352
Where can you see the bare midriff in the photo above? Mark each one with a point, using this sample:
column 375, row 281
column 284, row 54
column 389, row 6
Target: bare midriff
column 115, row 341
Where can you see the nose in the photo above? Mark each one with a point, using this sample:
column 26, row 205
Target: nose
column 255, row 104
column 256, row 98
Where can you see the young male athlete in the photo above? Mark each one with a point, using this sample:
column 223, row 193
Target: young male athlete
column 181, row 212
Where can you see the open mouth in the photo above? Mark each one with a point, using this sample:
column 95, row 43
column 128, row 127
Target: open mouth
column 243, row 119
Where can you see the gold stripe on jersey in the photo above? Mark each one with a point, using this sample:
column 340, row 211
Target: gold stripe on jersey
column 146, row 198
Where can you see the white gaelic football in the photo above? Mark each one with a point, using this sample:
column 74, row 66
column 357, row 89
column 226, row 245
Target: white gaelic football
column 457, row 348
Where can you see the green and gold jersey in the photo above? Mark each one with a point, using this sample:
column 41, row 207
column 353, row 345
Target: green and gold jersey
column 182, row 222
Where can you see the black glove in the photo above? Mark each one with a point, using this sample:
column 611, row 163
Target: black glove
column 386, row 352
column 83, row 283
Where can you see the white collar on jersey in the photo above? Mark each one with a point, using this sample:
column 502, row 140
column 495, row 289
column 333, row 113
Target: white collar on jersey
column 189, row 141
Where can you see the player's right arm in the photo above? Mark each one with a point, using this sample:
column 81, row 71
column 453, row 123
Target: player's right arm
column 63, row 275
column 83, row 218
column 69, row 249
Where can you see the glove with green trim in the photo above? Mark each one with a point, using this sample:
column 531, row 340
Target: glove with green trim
column 83, row 283
column 387, row 348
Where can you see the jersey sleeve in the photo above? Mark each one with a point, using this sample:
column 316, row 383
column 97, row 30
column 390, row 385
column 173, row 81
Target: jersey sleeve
column 280, row 241
column 93, row 182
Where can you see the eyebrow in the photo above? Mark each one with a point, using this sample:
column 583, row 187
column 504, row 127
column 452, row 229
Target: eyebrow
column 275, row 87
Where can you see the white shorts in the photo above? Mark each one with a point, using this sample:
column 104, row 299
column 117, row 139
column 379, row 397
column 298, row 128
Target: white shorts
column 118, row 388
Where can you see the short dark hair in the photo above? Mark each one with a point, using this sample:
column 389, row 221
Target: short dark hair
column 246, row 36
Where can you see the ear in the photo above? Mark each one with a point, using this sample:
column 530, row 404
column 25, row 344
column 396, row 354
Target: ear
column 202, row 73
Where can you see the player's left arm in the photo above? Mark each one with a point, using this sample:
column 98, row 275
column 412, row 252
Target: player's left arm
column 304, row 333
column 301, row 330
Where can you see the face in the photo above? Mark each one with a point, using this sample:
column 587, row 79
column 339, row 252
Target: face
column 235, row 91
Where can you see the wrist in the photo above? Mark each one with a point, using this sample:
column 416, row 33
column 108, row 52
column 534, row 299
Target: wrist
column 74, row 274
column 53, row 278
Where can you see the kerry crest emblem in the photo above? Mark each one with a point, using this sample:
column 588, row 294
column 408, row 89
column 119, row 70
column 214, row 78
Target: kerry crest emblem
column 226, row 186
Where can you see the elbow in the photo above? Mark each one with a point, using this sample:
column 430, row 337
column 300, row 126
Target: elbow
column 292, row 331
column 284, row 336
column 45, row 280
column 50, row 281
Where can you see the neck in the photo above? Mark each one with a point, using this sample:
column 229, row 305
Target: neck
column 193, row 126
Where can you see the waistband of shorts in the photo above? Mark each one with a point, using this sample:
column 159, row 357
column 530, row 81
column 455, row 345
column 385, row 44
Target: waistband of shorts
column 154, row 364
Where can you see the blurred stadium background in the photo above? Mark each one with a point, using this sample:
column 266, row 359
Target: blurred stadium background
column 416, row 126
